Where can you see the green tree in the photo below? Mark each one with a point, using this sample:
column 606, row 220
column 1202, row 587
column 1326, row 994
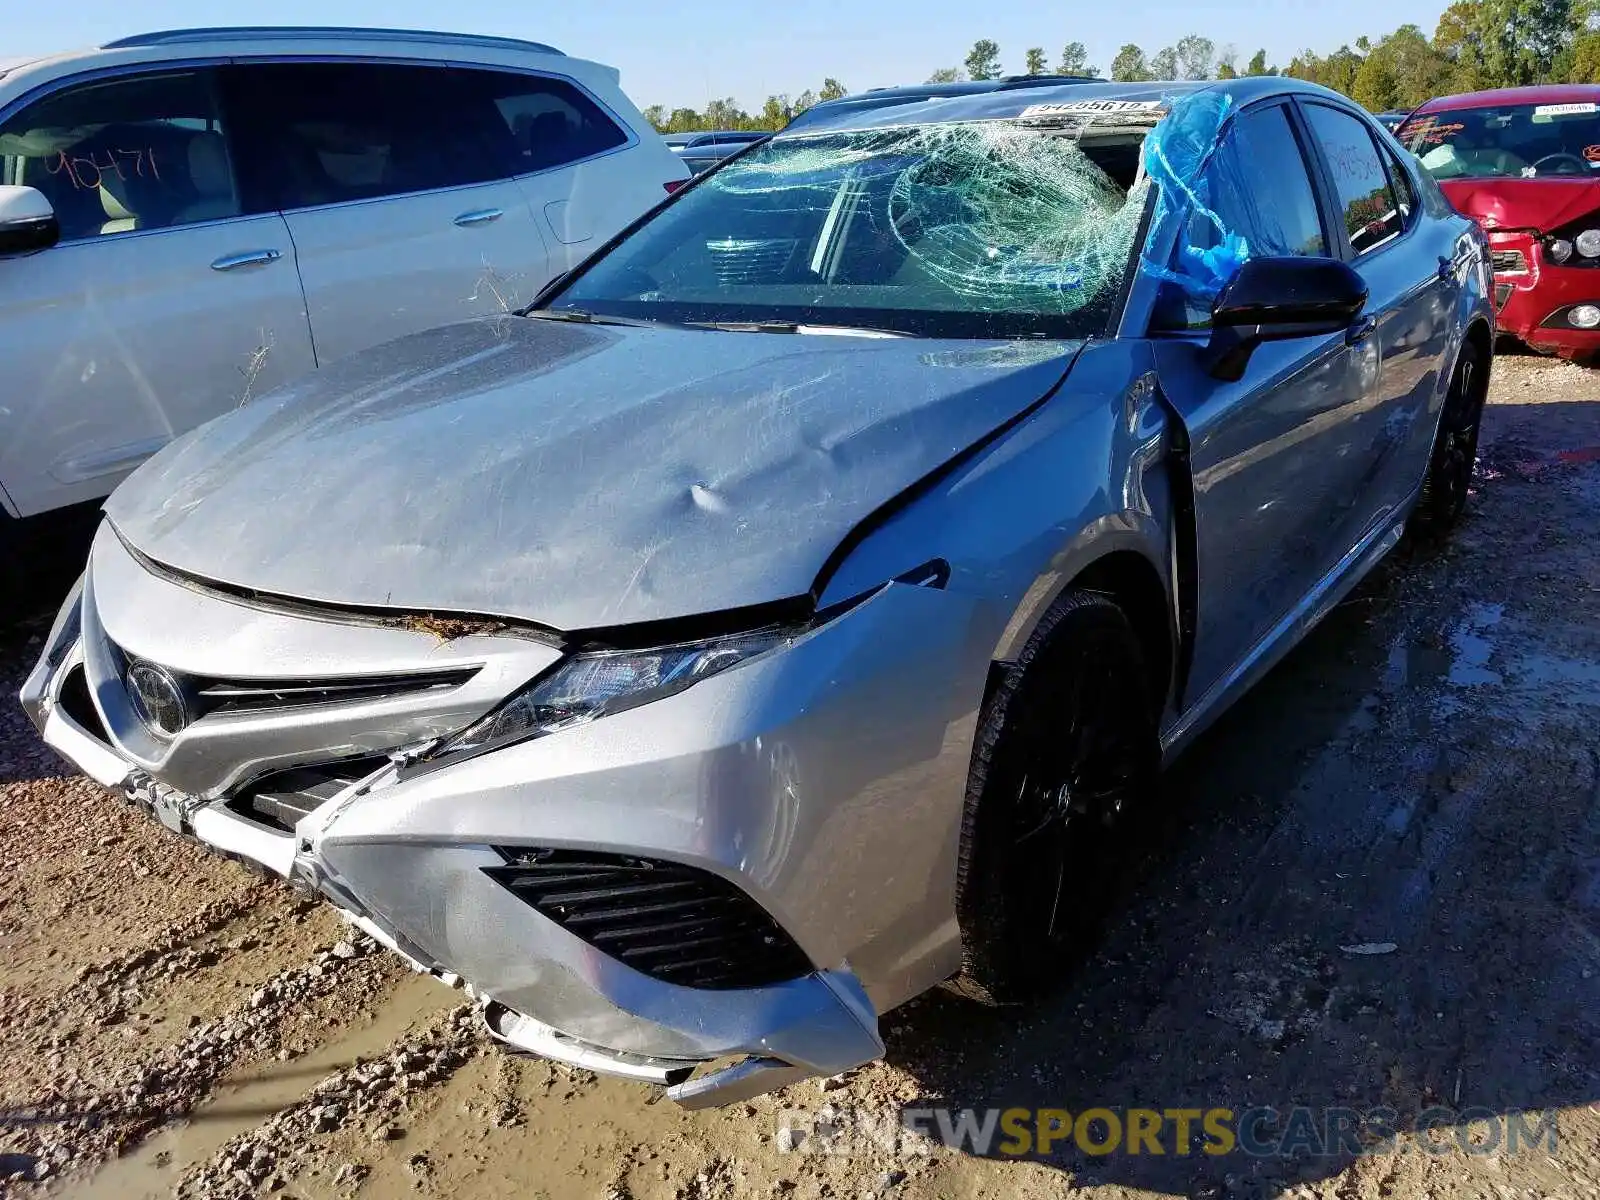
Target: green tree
column 1525, row 38
column 1401, row 71
column 1195, row 56
column 1258, row 64
column 1459, row 38
column 1585, row 64
column 947, row 75
column 776, row 112
column 1336, row 70
column 724, row 114
column 832, row 89
column 1228, row 63
column 1075, row 60
column 806, row 99
column 983, row 61
column 1164, row 63
column 1129, row 66
column 1035, row 61
column 656, row 114
column 684, row 120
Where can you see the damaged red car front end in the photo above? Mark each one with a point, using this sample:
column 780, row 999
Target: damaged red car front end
column 1525, row 164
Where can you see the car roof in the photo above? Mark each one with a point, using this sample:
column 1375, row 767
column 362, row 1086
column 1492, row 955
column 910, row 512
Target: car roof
column 249, row 42
column 218, row 33
column 1009, row 103
column 885, row 97
column 1551, row 93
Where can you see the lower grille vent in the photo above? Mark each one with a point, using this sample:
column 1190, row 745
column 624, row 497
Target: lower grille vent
column 1509, row 262
column 674, row 923
column 281, row 799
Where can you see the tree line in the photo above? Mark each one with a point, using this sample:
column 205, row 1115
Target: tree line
column 1477, row 44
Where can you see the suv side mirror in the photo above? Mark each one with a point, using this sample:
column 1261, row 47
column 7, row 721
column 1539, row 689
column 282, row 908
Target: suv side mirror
column 27, row 222
column 1273, row 299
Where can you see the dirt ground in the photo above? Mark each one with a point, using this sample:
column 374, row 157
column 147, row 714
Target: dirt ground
column 1375, row 885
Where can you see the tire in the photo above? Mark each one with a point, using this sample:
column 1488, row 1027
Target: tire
column 1455, row 445
column 1068, row 751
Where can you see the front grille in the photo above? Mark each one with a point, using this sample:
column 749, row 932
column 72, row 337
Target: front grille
column 674, row 923
column 227, row 695
column 213, row 694
column 1509, row 262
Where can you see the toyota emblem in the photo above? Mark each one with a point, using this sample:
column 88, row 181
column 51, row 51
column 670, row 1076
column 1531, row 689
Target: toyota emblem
column 158, row 698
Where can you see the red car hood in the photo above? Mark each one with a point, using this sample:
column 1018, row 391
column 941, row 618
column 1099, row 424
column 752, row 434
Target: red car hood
column 1543, row 204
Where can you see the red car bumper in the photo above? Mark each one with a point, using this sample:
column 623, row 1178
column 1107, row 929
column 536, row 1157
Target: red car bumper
column 1532, row 296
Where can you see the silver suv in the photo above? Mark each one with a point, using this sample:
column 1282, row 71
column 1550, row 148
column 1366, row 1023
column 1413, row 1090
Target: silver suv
column 188, row 219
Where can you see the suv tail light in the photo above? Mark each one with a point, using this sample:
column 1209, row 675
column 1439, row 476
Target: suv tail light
column 673, row 185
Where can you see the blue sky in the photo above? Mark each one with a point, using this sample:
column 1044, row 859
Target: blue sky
column 688, row 51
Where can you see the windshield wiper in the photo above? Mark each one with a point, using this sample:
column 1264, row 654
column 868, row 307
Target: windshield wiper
column 578, row 316
column 798, row 327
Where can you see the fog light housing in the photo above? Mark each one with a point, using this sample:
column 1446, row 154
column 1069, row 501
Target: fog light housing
column 1560, row 250
column 1583, row 316
column 1588, row 243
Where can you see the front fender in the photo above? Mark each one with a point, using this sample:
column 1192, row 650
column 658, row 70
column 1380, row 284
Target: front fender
column 1082, row 477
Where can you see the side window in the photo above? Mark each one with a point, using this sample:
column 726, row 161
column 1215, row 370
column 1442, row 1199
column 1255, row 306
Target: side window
column 1404, row 193
column 328, row 133
column 541, row 122
column 1258, row 185
column 1372, row 214
column 124, row 155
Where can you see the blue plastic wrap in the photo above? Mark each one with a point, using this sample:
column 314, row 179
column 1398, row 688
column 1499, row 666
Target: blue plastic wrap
column 1177, row 157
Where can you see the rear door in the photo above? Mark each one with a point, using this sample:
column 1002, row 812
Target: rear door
column 1272, row 455
column 167, row 300
column 387, row 175
column 569, row 157
column 1405, row 262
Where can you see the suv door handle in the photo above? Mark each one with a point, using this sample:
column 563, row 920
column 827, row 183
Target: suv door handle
column 1360, row 330
column 479, row 216
column 246, row 258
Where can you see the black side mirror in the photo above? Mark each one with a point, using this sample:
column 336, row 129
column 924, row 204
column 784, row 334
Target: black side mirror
column 27, row 222
column 1273, row 299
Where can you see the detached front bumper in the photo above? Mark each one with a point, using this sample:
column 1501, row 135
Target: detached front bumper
column 823, row 788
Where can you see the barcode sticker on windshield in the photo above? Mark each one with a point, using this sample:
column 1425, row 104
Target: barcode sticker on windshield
column 1106, row 107
column 1562, row 110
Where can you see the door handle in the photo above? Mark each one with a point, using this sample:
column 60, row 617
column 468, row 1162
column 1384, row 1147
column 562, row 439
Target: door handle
column 479, row 216
column 246, row 258
column 1360, row 330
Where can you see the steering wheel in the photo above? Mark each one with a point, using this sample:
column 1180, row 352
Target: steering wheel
column 1579, row 167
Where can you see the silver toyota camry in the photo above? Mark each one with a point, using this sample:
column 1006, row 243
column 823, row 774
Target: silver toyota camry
column 793, row 609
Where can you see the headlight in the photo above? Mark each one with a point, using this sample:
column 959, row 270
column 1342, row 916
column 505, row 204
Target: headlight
column 1588, row 243
column 587, row 686
column 1560, row 250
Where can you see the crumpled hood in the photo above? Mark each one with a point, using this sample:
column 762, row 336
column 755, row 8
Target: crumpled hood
column 1542, row 204
column 577, row 476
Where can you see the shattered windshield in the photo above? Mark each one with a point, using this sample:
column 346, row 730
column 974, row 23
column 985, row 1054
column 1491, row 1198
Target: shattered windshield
column 1523, row 140
column 979, row 229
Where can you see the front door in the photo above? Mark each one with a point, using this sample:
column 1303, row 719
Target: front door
column 1275, row 455
column 161, row 307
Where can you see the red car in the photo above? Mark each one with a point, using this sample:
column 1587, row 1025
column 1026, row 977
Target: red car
column 1525, row 164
